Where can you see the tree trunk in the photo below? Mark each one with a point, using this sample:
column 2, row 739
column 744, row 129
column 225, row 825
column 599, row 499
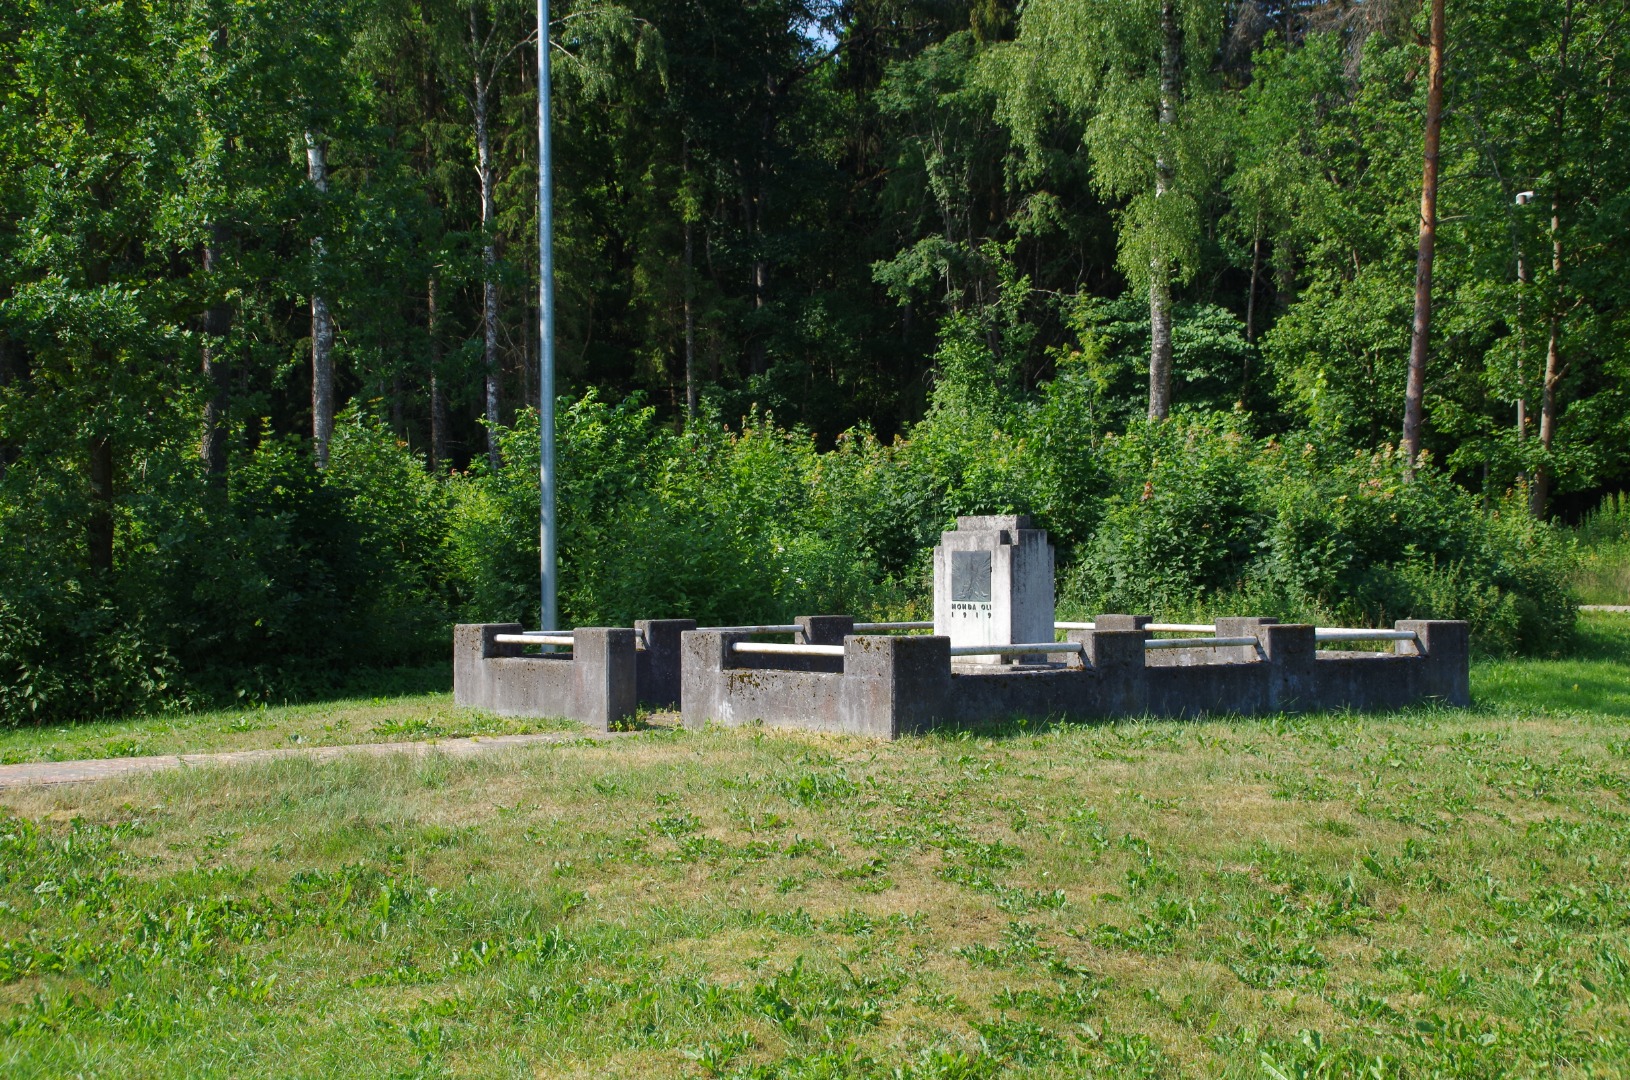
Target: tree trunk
column 217, row 324
column 1420, row 336
column 438, row 403
column 1539, row 492
column 489, row 254
column 99, row 522
column 1256, row 274
column 1524, row 279
column 216, row 365
column 322, row 325
column 1160, row 271
column 5, row 381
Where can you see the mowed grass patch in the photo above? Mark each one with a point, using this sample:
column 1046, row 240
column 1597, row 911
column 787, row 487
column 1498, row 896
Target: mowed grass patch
column 1438, row 892
column 374, row 718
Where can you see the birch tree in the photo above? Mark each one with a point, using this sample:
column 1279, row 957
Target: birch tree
column 1420, row 334
column 322, row 323
column 1139, row 74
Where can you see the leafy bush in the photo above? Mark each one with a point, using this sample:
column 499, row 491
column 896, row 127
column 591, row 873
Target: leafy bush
column 278, row 583
column 709, row 524
column 1205, row 520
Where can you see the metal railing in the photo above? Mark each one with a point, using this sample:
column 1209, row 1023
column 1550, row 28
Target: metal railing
column 533, row 639
column 1198, row 642
column 1153, row 628
column 781, row 649
column 1014, row 650
column 1339, row 633
column 1322, row 634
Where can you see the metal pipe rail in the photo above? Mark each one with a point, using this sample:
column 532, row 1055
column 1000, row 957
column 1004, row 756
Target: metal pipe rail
column 1198, row 642
column 1337, row 633
column 782, row 649
column 533, row 639
column 1153, row 628
column 1014, row 650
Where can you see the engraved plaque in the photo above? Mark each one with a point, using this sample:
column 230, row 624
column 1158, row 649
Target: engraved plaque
column 970, row 577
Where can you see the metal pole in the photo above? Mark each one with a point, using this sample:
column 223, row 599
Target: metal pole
column 546, row 333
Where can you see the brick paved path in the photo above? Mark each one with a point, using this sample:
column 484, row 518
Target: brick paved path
column 41, row 773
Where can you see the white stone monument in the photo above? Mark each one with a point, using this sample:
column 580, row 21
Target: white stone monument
column 993, row 585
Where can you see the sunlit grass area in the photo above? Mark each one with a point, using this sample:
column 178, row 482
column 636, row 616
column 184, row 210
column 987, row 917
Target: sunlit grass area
column 398, row 709
column 1437, row 892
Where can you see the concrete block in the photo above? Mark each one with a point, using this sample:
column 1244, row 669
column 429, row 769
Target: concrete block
column 1121, row 622
column 605, row 676
column 1117, row 657
column 1241, row 654
column 1446, row 647
column 1292, row 654
column 595, row 684
column 894, row 686
column 659, row 662
column 823, row 629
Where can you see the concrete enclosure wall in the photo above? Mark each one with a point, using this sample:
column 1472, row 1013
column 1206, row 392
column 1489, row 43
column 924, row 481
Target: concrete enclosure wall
column 890, row 686
column 608, row 674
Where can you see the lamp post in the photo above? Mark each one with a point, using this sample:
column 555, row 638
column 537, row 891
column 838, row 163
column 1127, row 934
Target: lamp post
column 546, row 335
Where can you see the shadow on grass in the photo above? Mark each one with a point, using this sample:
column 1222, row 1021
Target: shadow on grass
column 1593, row 678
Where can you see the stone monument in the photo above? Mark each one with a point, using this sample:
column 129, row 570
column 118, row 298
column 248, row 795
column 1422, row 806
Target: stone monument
column 993, row 585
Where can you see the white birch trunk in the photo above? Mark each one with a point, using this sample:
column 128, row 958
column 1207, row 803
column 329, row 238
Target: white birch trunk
column 1160, row 271
column 489, row 251
column 322, row 326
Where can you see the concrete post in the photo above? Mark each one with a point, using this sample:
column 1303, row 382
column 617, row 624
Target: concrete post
column 1240, row 654
column 823, row 629
column 604, row 675
column 659, row 661
column 1117, row 655
column 1446, row 646
column 473, row 643
column 1291, row 652
column 705, row 656
column 895, row 686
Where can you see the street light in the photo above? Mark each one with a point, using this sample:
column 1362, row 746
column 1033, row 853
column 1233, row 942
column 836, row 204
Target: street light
column 546, row 336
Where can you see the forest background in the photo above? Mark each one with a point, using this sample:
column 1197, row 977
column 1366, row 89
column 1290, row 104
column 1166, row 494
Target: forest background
column 829, row 274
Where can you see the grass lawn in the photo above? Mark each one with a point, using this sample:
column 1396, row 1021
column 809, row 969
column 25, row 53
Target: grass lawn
column 398, row 710
column 1423, row 894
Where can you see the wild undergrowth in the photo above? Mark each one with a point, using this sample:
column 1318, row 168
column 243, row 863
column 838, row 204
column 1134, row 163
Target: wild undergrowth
column 1437, row 892
column 1601, row 573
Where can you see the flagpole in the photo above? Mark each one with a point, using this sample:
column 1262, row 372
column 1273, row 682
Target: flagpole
column 546, row 335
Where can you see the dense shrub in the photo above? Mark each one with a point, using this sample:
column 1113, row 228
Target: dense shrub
column 1204, row 520
column 284, row 579
column 278, row 583
column 708, row 524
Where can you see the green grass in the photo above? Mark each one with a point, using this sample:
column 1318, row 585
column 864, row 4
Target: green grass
column 390, row 715
column 1601, row 574
column 1432, row 893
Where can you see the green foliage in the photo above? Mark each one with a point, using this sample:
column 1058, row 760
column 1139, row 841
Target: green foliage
column 279, row 584
column 1602, row 572
column 710, row 524
column 1204, row 519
